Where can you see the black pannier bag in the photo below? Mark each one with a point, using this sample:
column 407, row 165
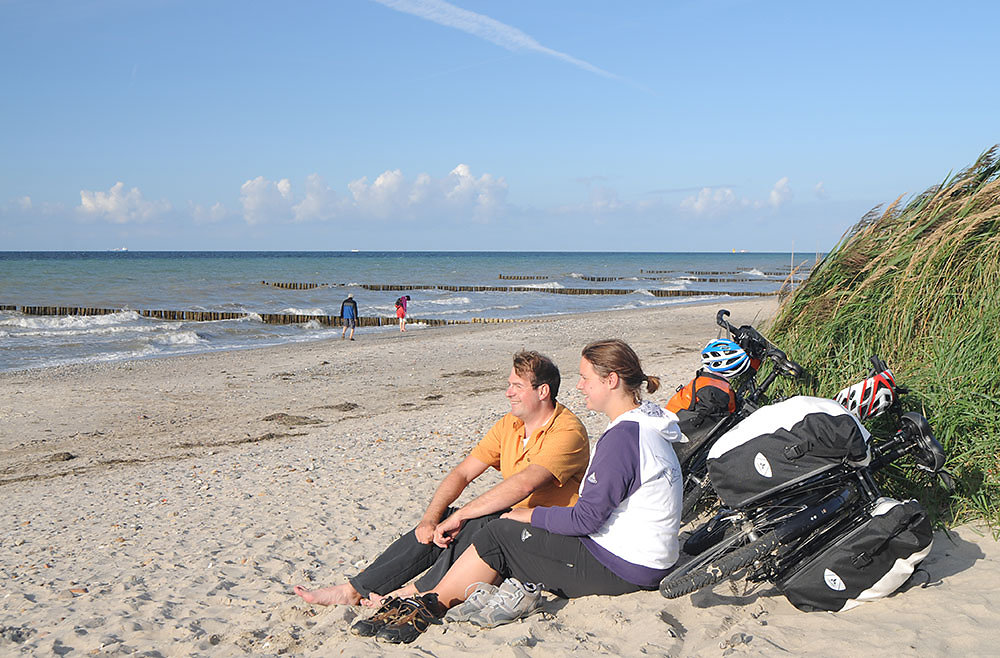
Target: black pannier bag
column 784, row 443
column 869, row 562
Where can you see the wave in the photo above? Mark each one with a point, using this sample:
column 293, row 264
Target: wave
column 71, row 321
column 754, row 272
column 550, row 285
column 180, row 338
column 459, row 311
column 659, row 301
column 641, row 291
column 449, row 301
column 291, row 310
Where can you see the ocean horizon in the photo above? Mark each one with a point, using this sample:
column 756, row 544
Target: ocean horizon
column 231, row 282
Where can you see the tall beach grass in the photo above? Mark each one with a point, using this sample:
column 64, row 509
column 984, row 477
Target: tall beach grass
column 918, row 283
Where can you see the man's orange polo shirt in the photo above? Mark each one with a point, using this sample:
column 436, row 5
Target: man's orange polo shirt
column 560, row 446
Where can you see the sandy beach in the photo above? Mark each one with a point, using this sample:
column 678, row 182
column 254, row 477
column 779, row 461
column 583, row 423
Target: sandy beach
column 166, row 507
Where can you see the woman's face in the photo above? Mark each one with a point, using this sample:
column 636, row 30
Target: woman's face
column 596, row 389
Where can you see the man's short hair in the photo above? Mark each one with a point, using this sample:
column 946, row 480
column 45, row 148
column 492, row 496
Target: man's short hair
column 538, row 369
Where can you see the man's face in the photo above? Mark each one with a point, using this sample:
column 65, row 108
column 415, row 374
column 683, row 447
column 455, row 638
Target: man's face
column 524, row 399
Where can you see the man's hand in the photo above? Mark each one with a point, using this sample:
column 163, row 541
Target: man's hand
column 424, row 532
column 446, row 531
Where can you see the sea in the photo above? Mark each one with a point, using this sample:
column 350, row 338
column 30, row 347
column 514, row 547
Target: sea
column 234, row 282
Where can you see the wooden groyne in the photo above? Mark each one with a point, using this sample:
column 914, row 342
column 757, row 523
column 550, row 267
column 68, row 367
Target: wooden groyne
column 381, row 287
column 681, row 274
column 712, row 279
column 522, row 277
column 293, row 286
column 267, row 318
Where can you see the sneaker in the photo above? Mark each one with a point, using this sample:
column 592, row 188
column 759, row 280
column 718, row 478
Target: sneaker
column 473, row 602
column 514, row 600
column 415, row 616
column 369, row 626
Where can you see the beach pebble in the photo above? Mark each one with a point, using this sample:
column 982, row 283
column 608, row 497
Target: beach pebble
column 16, row 634
column 735, row 640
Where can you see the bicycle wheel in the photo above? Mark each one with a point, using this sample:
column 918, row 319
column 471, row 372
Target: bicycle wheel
column 693, row 496
column 716, row 565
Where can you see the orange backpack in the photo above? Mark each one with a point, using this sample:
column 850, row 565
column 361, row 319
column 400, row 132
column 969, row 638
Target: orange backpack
column 691, row 394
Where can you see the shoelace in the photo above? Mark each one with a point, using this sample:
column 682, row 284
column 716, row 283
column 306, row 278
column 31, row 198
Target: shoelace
column 389, row 609
column 508, row 598
column 413, row 612
column 473, row 587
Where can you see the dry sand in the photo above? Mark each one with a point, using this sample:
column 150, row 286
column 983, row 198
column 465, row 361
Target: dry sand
column 165, row 507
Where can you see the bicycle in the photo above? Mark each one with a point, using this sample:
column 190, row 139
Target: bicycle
column 750, row 396
column 770, row 535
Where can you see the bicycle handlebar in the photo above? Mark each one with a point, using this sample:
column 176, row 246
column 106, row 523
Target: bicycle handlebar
column 759, row 347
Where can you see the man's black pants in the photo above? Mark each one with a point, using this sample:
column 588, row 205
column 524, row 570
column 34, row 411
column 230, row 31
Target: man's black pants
column 406, row 558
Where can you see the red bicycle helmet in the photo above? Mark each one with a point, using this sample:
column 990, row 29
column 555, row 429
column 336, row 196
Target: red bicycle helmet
column 869, row 397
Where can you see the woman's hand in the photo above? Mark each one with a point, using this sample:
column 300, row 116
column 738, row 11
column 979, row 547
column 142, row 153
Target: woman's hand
column 522, row 514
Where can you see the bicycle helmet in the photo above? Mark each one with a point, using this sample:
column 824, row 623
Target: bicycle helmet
column 725, row 357
column 869, row 397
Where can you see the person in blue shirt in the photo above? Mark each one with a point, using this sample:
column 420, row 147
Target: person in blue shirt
column 349, row 314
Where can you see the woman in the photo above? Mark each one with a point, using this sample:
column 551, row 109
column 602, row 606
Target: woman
column 620, row 537
column 401, row 311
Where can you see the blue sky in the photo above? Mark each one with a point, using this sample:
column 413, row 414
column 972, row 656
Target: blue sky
column 481, row 125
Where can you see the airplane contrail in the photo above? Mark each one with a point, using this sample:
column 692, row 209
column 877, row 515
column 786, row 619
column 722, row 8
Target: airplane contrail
column 484, row 27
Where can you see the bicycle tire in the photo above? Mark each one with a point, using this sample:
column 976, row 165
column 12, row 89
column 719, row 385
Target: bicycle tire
column 675, row 585
column 691, row 500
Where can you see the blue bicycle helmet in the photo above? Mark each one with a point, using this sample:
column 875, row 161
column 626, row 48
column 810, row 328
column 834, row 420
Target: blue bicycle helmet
column 725, row 357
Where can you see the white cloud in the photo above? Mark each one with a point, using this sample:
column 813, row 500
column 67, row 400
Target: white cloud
column 24, row 203
column 320, row 202
column 710, row 200
column 383, row 198
column 715, row 200
column 780, row 193
column 265, row 200
column 485, row 28
column 459, row 196
column 820, row 191
column 216, row 213
column 120, row 206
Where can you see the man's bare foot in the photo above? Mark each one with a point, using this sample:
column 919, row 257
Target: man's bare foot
column 337, row 595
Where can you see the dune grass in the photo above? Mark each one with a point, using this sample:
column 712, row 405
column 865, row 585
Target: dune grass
column 918, row 283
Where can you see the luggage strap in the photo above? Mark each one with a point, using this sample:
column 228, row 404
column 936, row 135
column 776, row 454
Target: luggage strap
column 809, row 446
column 864, row 558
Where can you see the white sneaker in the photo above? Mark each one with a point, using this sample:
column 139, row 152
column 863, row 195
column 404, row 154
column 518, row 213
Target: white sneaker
column 473, row 603
column 514, row 600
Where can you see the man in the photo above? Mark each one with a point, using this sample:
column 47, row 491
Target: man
column 541, row 449
column 349, row 314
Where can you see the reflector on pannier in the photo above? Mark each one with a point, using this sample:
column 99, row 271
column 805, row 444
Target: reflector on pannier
column 871, row 561
column 784, row 443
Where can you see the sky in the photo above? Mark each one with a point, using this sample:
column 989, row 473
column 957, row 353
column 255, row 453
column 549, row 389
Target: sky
column 707, row 125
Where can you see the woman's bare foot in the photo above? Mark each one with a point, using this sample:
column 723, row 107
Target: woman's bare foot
column 337, row 595
column 375, row 600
